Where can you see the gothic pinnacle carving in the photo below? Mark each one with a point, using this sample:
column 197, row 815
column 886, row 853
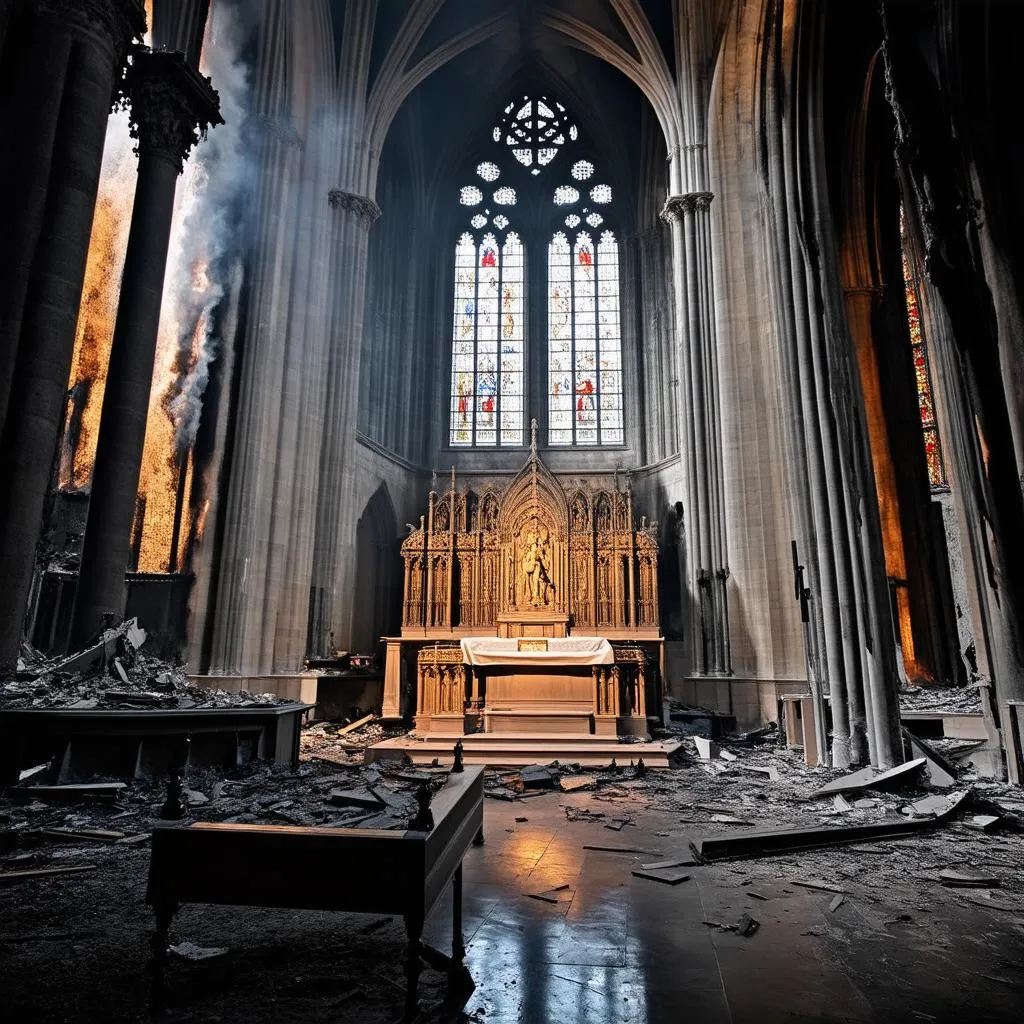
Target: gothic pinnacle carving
column 172, row 105
column 676, row 207
column 361, row 206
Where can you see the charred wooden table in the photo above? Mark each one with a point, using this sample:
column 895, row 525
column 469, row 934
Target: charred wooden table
column 355, row 870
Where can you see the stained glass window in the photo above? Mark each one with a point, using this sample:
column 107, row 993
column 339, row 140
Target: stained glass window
column 488, row 403
column 584, row 341
column 487, row 342
column 919, row 353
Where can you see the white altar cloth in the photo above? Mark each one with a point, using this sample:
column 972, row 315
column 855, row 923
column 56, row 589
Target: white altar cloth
column 569, row 650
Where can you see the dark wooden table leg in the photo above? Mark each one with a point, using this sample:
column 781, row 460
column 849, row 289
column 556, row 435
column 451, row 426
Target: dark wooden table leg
column 458, row 947
column 158, row 948
column 413, row 931
column 460, row 981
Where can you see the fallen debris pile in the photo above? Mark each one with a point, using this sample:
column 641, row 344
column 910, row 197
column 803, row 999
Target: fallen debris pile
column 111, row 674
column 43, row 824
column 344, row 742
column 953, row 699
column 535, row 779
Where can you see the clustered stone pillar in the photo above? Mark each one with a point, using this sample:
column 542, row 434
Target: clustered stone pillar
column 75, row 54
column 334, row 554
column 707, row 570
column 172, row 105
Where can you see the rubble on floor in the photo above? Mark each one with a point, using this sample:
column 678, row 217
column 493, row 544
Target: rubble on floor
column 39, row 826
column 113, row 673
column 954, row 699
column 344, row 742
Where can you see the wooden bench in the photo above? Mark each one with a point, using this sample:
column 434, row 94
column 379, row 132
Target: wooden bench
column 355, row 870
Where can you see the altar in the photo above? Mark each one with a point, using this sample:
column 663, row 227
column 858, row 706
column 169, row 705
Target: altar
column 531, row 611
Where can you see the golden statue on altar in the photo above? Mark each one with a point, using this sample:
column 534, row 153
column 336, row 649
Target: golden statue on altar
column 536, row 568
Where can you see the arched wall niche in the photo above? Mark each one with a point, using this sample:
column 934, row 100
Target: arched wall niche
column 379, row 573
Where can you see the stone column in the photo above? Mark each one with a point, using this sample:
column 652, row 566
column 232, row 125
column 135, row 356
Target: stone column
column 83, row 47
column 707, row 573
column 172, row 105
column 333, row 586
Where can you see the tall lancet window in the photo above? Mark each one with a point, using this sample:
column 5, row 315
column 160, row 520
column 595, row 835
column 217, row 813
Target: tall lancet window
column 487, row 345
column 584, row 323
column 575, row 338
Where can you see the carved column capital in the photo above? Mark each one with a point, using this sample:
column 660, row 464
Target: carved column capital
column 118, row 20
column 677, row 207
column 115, row 21
column 172, row 104
column 259, row 125
column 362, row 206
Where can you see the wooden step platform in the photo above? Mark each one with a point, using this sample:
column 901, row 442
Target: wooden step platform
column 512, row 749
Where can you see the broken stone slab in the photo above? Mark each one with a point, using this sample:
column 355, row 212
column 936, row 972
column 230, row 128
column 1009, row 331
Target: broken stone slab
column 930, row 806
column 939, row 771
column 747, row 925
column 841, row 804
column 31, row 773
column 668, row 876
column 868, row 778
column 765, row 842
column 575, row 783
column 983, row 822
column 355, row 798
column 537, row 777
column 707, row 749
column 968, row 878
column 393, row 800
column 664, row 865
column 836, row 903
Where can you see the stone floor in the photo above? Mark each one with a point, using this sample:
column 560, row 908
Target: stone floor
column 619, row 948
column 613, row 948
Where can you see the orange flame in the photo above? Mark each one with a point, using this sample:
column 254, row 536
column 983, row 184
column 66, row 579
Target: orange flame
column 98, row 309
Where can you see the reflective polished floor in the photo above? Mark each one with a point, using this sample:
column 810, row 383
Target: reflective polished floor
column 620, row 948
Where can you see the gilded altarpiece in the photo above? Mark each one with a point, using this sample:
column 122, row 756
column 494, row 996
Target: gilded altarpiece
column 531, row 561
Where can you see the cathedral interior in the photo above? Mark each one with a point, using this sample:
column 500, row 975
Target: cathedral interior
column 539, row 477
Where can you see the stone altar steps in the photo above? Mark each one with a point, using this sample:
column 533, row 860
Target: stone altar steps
column 513, row 750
